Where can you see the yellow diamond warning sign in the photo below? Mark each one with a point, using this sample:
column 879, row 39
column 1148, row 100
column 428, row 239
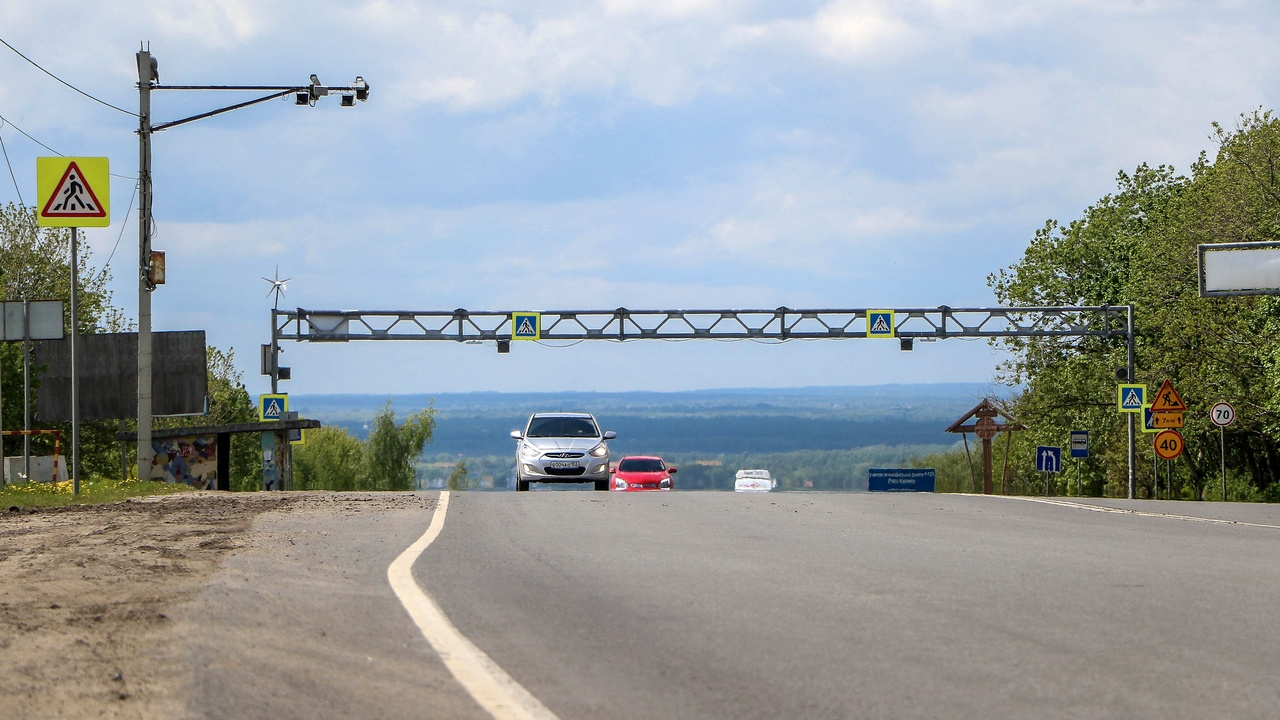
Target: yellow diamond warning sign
column 73, row 192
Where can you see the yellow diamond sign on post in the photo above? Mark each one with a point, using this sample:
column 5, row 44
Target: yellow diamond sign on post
column 73, row 192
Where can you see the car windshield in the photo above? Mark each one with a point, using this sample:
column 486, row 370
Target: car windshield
column 562, row 427
column 640, row 465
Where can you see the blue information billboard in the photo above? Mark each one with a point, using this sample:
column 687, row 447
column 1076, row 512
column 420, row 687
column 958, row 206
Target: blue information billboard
column 901, row 479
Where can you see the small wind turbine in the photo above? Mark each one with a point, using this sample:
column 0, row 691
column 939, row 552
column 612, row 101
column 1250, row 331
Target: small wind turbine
column 277, row 286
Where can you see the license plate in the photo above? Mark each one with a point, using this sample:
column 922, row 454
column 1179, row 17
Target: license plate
column 562, row 465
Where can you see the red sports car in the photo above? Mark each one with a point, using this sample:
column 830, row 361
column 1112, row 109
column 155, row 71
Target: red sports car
column 641, row 472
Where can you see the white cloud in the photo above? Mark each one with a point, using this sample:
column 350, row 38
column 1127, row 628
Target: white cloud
column 220, row 24
column 853, row 30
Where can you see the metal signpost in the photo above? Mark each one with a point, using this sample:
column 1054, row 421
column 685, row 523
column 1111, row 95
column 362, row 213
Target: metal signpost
column 27, row 320
column 1048, row 461
column 1168, row 446
column 73, row 192
column 1223, row 414
column 1166, row 413
column 1079, row 440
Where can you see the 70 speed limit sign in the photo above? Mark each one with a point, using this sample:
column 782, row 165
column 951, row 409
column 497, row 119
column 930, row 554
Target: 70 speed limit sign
column 1222, row 414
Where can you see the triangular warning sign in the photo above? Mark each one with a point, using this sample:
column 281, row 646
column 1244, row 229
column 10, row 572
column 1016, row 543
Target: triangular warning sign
column 1168, row 400
column 1132, row 400
column 73, row 198
column 880, row 326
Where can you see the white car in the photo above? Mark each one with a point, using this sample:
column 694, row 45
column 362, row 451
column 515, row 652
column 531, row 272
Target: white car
column 562, row 448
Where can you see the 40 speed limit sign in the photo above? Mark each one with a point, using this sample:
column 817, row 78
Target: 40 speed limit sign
column 1222, row 414
column 1168, row 444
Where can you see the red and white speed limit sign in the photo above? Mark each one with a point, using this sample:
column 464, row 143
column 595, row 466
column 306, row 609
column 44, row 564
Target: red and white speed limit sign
column 1222, row 414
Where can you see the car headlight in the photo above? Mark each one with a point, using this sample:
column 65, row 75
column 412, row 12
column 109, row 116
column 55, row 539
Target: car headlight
column 619, row 484
column 601, row 450
column 530, row 452
column 664, row 483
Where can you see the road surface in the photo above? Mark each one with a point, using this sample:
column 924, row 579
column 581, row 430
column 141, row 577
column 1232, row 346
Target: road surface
column 780, row 605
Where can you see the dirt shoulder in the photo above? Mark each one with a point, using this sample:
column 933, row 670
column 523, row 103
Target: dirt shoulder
column 87, row 595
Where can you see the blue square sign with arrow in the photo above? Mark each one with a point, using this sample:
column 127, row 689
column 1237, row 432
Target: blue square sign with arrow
column 1048, row 459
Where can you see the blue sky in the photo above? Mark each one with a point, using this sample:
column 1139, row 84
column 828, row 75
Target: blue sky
column 638, row 153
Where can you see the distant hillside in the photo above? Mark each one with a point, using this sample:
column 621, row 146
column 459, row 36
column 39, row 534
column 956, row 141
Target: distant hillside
column 750, row 420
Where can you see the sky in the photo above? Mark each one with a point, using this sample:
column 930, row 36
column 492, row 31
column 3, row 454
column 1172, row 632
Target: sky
column 649, row 154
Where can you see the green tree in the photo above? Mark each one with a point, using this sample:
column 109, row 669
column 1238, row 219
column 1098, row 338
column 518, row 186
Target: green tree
column 1138, row 247
column 393, row 449
column 458, row 478
column 35, row 264
column 331, row 459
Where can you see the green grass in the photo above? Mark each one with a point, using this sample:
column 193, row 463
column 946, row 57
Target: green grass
column 43, row 494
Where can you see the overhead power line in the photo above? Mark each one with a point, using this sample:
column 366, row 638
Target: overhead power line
column 7, row 121
column 11, row 175
column 64, row 82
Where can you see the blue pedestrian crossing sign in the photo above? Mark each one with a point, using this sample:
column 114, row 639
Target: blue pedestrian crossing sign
column 880, row 324
column 272, row 407
column 1131, row 398
column 526, row 326
column 1048, row 459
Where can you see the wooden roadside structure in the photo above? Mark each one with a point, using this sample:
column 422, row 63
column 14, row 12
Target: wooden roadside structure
column 985, row 425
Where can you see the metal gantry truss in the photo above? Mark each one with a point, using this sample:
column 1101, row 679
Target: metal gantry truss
column 779, row 324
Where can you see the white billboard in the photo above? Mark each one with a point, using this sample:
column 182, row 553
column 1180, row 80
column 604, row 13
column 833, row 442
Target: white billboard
column 1228, row 269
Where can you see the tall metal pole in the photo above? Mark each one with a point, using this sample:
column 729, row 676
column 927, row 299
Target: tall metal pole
column 145, row 77
column 275, row 351
column 1222, row 447
column 26, row 386
column 1133, row 451
column 75, row 373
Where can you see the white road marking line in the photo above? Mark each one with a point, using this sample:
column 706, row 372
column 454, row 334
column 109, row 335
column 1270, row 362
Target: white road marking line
column 489, row 684
column 1139, row 513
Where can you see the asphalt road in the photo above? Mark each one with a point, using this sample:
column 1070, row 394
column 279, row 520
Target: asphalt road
column 785, row 605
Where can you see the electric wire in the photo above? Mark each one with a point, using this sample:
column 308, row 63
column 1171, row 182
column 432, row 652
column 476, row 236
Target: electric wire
column 107, row 265
column 10, row 165
column 64, row 82
column 9, row 122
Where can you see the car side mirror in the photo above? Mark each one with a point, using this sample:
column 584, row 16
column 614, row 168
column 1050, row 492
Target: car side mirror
column 671, row 470
column 610, row 435
column 516, row 435
column 613, row 469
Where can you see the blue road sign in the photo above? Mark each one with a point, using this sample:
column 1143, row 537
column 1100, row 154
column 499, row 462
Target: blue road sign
column 272, row 407
column 1048, row 459
column 1079, row 443
column 901, row 479
column 880, row 324
column 1131, row 398
column 526, row 326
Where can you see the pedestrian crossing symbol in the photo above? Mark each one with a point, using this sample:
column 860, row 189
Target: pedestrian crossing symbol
column 526, row 326
column 73, row 192
column 1131, row 398
column 880, row 324
column 272, row 407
